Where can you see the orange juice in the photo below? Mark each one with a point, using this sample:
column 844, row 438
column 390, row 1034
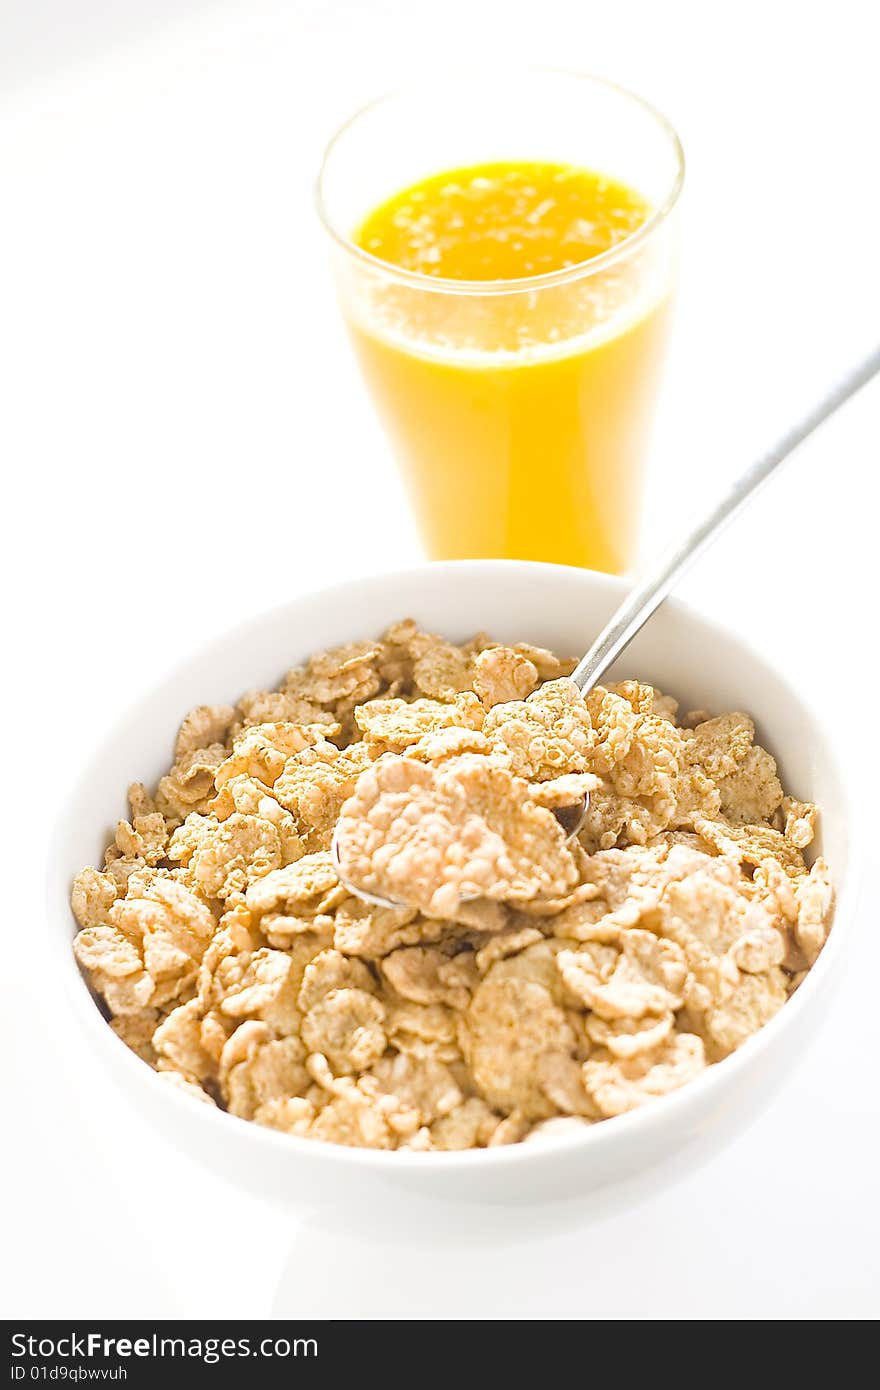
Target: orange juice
column 518, row 410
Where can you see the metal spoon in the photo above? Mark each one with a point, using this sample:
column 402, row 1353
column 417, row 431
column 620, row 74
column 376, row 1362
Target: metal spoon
column 650, row 592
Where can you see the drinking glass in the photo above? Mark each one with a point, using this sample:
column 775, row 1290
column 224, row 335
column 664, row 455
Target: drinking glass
column 519, row 410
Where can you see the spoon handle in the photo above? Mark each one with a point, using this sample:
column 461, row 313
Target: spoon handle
column 650, row 592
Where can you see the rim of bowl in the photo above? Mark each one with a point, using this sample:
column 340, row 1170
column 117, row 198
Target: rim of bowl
column 661, row 1111
column 520, row 284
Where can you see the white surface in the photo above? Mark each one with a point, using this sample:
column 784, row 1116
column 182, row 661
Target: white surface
column 174, row 377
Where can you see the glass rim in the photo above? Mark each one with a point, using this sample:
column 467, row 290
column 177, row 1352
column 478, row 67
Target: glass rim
column 437, row 284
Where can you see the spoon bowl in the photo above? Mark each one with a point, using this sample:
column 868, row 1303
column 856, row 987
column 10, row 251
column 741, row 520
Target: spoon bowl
column 571, row 818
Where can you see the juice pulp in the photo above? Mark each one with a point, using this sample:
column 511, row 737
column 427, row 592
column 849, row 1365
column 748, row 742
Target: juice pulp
column 519, row 417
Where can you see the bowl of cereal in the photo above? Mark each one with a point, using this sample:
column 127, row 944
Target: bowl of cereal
column 543, row 1017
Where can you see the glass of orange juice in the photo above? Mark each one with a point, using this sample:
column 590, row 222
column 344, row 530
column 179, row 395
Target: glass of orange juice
column 504, row 249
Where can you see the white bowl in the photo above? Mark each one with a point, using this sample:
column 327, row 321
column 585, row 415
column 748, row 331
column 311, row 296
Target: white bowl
column 684, row 654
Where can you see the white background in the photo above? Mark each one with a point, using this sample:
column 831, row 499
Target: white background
column 184, row 441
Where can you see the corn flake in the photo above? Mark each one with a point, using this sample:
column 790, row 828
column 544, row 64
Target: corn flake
column 430, row 838
column 529, row 985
